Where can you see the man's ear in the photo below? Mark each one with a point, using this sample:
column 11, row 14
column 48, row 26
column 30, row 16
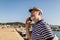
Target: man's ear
column 39, row 13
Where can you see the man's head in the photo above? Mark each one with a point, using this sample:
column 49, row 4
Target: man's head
column 37, row 13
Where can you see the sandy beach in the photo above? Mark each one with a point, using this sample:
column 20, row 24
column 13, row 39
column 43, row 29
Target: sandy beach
column 9, row 34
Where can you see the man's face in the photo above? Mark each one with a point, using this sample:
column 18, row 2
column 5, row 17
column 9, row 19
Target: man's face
column 35, row 14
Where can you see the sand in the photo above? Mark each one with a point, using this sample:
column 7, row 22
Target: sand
column 9, row 34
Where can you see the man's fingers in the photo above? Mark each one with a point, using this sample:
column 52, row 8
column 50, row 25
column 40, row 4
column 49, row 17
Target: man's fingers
column 28, row 21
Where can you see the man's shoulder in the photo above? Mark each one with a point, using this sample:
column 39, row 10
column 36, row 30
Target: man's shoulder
column 42, row 22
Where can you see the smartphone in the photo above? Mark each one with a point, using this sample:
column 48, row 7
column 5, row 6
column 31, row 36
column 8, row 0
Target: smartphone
column 31, row 18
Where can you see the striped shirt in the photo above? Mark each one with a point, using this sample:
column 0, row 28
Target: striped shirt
column 41, row 31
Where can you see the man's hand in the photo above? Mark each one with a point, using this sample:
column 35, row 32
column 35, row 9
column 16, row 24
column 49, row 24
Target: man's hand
column 28, row 21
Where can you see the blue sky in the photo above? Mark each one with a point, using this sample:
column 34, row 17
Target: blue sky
column 17, row 10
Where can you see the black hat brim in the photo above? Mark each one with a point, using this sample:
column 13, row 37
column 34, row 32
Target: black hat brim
column 33, row 9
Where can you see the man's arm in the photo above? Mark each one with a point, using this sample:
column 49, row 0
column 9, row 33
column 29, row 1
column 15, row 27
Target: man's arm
column 27, row 32
column 27, row 28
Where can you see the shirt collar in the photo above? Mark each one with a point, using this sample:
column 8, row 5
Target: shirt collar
column 39, row 21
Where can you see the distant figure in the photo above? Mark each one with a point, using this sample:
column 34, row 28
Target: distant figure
column 41, row 30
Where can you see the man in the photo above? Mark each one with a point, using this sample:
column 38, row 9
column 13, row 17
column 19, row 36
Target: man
column 40, row 30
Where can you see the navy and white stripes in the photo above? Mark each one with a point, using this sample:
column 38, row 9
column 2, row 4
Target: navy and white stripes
column 41, row 31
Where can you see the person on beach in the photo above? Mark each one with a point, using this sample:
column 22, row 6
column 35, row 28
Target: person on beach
column 40, row 30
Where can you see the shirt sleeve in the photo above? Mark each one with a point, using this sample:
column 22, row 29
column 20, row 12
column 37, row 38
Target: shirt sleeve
column 46, row 31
